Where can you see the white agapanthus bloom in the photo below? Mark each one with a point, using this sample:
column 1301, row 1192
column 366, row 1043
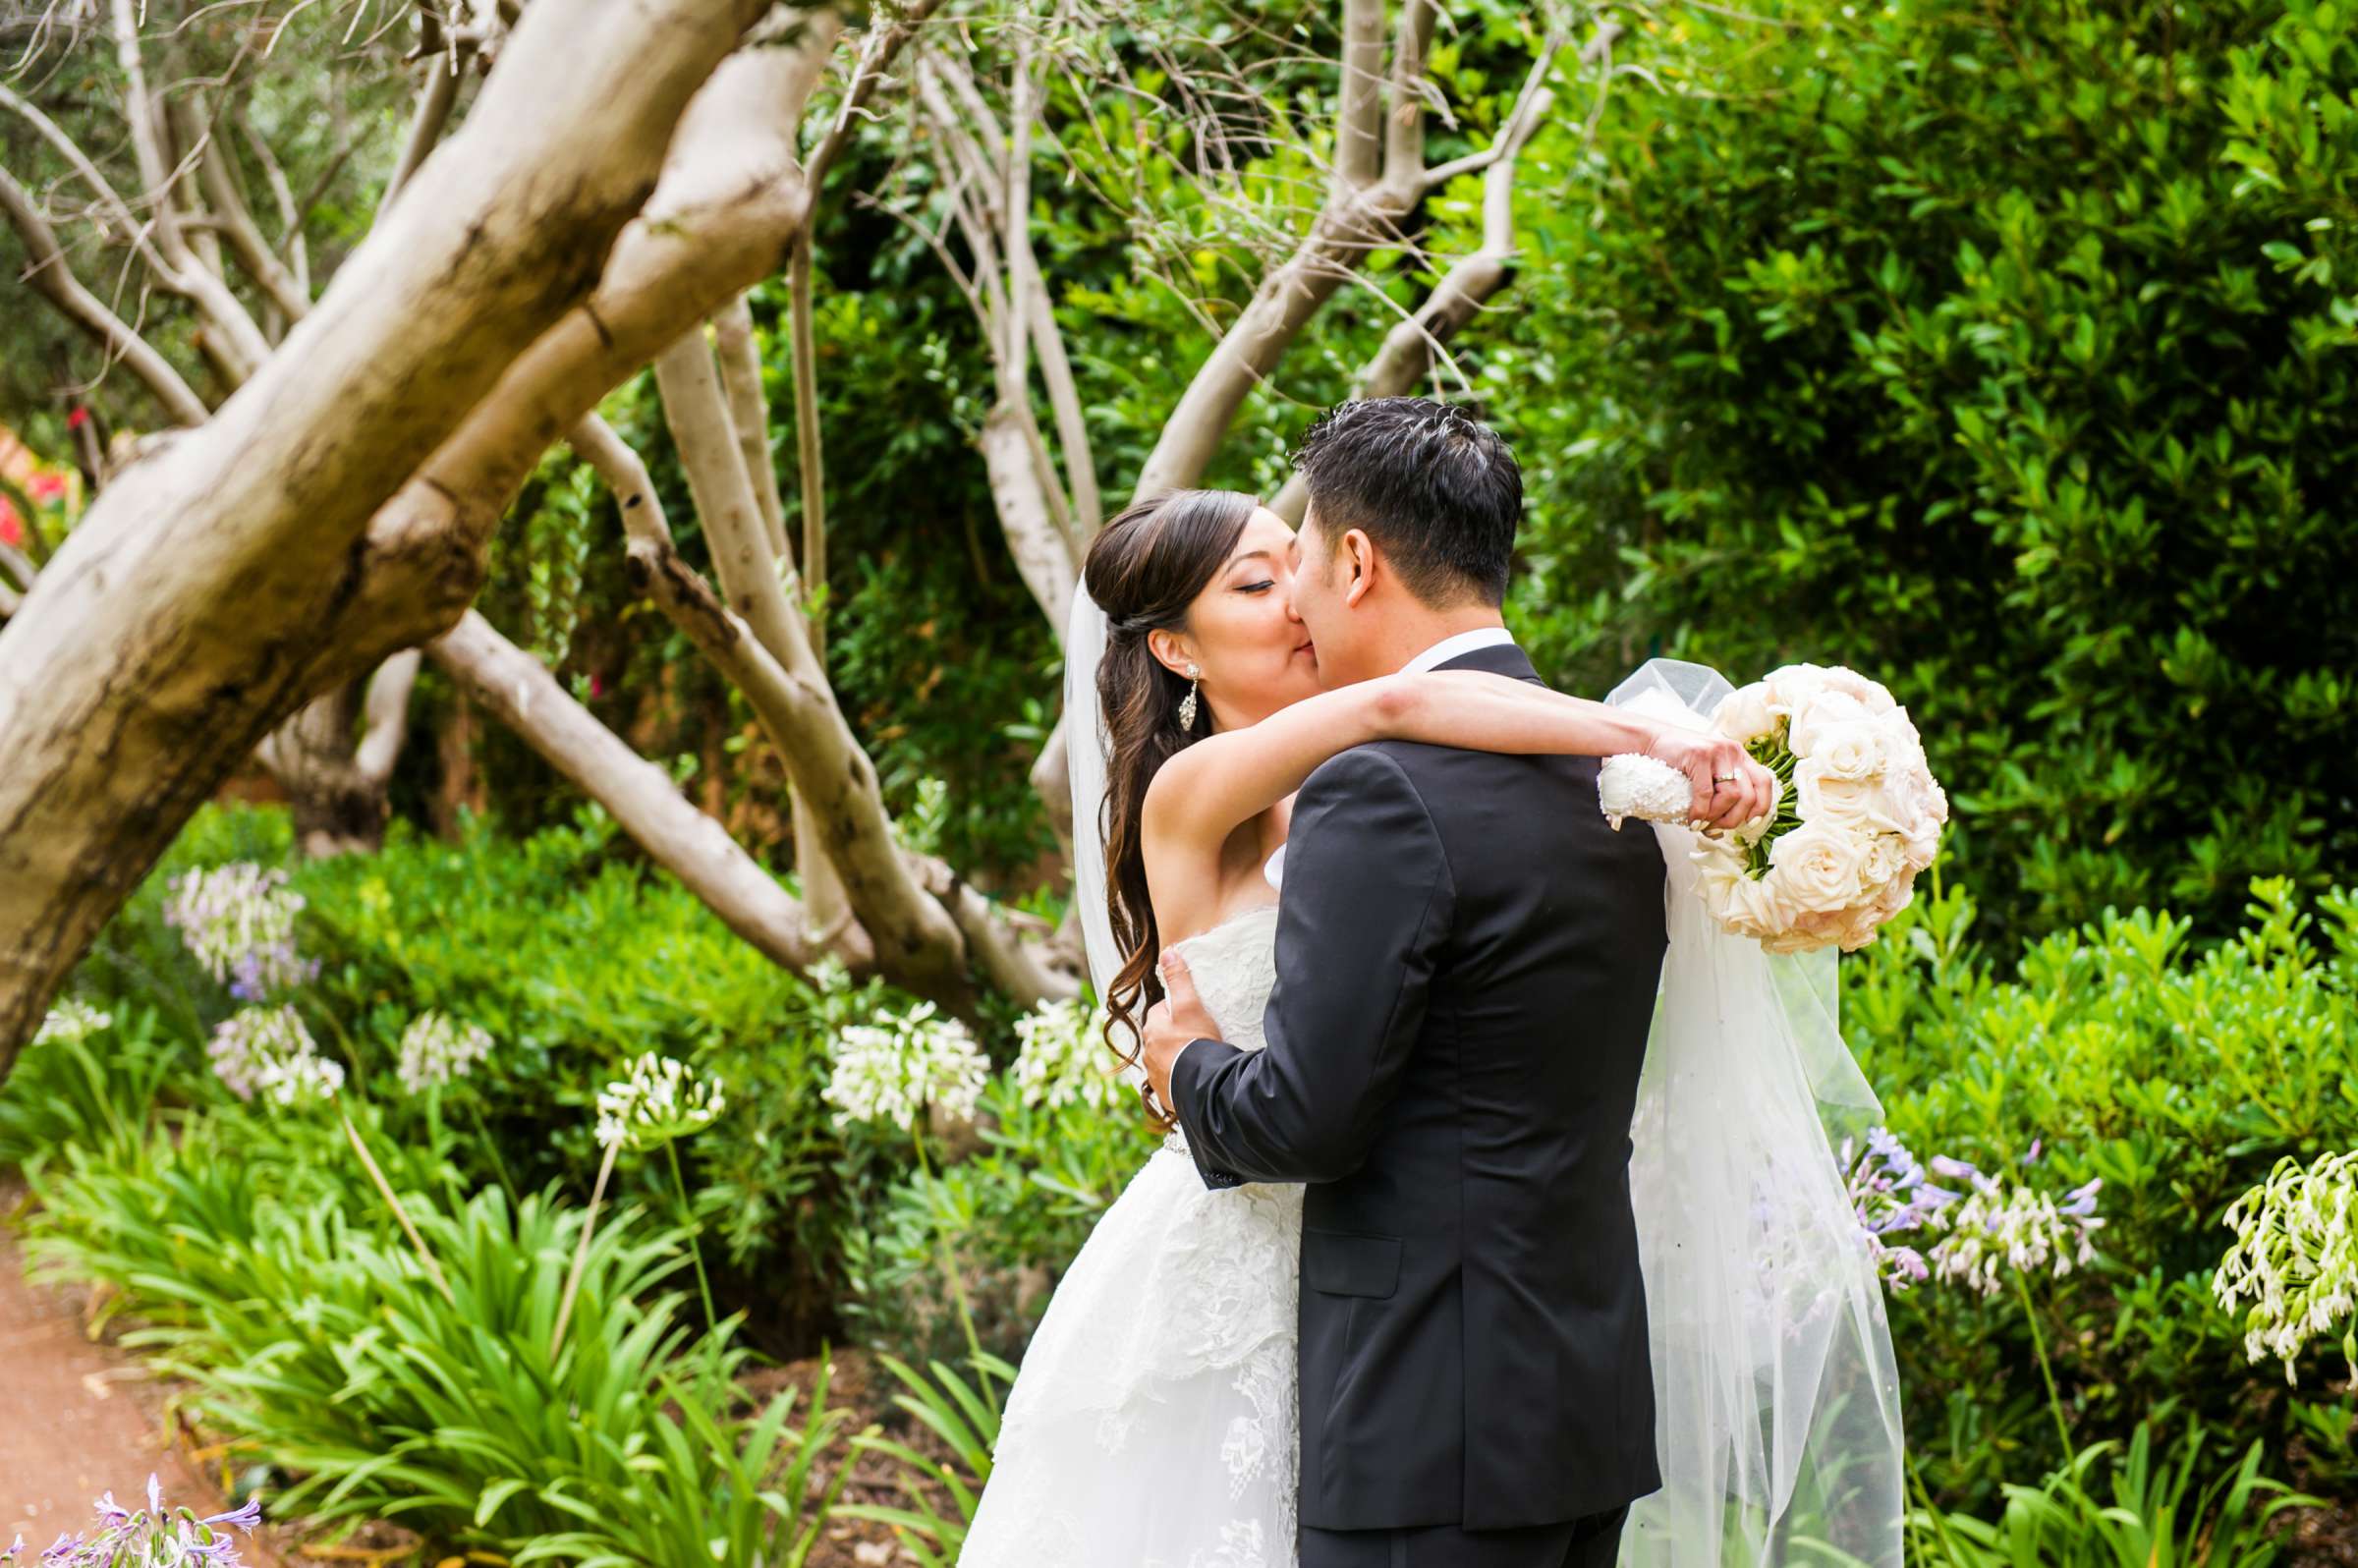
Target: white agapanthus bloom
column 294, row 1080
column 891, row 1070
column 239, row 920
column 1063, row 1059
column 2001, row 1226
column 437, row 1049
column 267, row 1052
column 71, row 1020
column 2295, row 1259
column 663, row 1100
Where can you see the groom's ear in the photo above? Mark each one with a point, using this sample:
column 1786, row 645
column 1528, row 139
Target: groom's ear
column 1355, row 554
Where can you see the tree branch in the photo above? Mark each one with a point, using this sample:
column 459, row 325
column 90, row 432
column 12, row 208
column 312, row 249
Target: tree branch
column 49, row 273
column 1359, row 115
column 749, row 414
column 640, row 796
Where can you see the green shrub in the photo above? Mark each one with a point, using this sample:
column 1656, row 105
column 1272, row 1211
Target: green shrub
column 2119, row 1051
column 2004, row 352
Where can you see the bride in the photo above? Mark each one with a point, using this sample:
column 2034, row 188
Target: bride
column 1154, row 1423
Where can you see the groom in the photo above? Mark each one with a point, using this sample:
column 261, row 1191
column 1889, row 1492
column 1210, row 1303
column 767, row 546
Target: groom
column 1465, row 966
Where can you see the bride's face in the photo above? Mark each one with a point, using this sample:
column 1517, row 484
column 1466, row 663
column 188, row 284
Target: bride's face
column 1242, row 630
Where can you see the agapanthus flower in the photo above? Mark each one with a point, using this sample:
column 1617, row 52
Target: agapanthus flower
column 890, row 1070
column 250, row 1047
column 2018, row 1227
column 239, row 920
column 437, row 1049
column 151, row 1537
column 1062, row 1059
column 661, row 1100
column 71, row 1020
column 1889, row 1190
column 2295, row 1259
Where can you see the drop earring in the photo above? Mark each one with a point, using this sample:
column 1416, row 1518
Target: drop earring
column 1186, row 703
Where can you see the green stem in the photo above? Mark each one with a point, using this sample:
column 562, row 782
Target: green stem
column 581, row 1253
column 2054, row 1400
column 385, row 1188
column 1932, row 1511
column 949, row 1264
column 688, row 1218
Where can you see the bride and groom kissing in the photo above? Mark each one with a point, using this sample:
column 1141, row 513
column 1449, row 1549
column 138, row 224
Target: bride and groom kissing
column 1388, row 980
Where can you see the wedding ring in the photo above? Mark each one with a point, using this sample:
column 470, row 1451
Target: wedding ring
column 1724, row 778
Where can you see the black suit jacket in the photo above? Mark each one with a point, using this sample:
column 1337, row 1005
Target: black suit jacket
column 1466, row 958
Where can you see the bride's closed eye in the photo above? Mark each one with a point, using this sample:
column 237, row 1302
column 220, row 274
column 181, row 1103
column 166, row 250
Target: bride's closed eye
column 1256, row 587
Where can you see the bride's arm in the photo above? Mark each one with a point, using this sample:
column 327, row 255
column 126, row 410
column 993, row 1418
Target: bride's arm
column 1204, row 792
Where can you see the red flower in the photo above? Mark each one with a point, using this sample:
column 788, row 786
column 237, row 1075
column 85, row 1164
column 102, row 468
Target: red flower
column 11, row 528
column 77, row 418
column 45, row 487
column 598, row 684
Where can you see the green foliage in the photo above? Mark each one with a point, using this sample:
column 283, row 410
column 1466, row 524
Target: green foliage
column 2155, row 1517
column 265, row 1271
column 965, row 1418
column 1011, row 1216
column 2118, row 1050
column 2004, row 353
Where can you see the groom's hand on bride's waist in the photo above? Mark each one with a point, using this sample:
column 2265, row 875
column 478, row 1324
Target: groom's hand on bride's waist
column 1171, row 1023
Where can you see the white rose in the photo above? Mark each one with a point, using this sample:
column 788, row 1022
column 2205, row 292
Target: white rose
column 1837, row 802
column 1873, row 696
column 1886, row 860
column 1817, row 864
column 1744, row 713
column 1850, row 750
column 1789, row 689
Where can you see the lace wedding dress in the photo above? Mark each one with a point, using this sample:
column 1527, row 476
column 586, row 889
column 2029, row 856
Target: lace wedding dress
column 1154, row 1423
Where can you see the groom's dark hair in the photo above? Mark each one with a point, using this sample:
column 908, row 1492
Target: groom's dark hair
column 1436, row 489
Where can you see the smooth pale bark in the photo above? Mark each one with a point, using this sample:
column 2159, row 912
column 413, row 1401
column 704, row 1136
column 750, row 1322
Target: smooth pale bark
column 1410, row 349
column 202, row 597
column 643, row 801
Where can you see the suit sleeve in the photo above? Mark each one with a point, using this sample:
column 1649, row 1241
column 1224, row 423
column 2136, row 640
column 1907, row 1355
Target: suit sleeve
column 1367, row 904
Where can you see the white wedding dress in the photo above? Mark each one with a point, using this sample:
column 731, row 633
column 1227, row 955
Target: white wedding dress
column 1154, row 1423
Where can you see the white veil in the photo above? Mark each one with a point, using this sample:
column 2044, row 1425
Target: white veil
column 1776, row 1395
column 1086, row 745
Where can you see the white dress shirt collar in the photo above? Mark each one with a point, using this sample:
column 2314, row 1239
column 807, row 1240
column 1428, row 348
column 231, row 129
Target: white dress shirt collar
column 1449, row 648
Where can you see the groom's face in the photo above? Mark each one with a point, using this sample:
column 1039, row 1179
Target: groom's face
column 1320, row 581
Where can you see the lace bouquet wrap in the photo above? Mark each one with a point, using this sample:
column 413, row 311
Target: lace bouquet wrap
column 1858, row 812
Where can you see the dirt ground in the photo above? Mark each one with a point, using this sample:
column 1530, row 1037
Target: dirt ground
column 79, row 1418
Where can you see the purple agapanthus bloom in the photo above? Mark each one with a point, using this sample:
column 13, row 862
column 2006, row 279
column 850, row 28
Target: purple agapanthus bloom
column 1889, row 1190
column 151, row 1537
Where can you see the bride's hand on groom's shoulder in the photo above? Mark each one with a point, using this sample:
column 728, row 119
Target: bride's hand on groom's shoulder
column 1170, row 1024
column 1730, row 787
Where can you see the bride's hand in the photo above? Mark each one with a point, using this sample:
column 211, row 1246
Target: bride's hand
column 1731, row 788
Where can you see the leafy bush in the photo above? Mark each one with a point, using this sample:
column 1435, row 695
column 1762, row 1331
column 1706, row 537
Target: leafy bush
column 2009, row 360
column 2116, row 1051
column 2155, row 1517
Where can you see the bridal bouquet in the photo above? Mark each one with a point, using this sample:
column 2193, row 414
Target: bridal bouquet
column 1858, row 812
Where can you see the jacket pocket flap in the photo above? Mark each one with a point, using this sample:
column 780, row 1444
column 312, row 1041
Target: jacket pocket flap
column 1341, row 1263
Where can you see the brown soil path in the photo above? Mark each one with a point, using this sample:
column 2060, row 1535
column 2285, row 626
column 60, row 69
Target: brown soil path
column 77, row 1418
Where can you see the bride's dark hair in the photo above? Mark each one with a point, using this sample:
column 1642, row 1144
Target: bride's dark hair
column 1144, row 570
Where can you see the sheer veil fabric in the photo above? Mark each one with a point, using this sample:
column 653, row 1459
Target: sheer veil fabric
column 1777, row 1398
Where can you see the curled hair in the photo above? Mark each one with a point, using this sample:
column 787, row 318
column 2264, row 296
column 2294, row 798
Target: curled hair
column 1145, row 570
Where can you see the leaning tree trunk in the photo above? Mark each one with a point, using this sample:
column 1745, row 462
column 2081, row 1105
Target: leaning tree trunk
column 202, row 599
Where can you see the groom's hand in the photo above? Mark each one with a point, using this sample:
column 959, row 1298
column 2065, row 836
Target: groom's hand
column 1170, row 1024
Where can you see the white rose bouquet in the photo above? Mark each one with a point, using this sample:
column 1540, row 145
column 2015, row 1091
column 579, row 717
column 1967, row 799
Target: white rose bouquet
column 1858, row 813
